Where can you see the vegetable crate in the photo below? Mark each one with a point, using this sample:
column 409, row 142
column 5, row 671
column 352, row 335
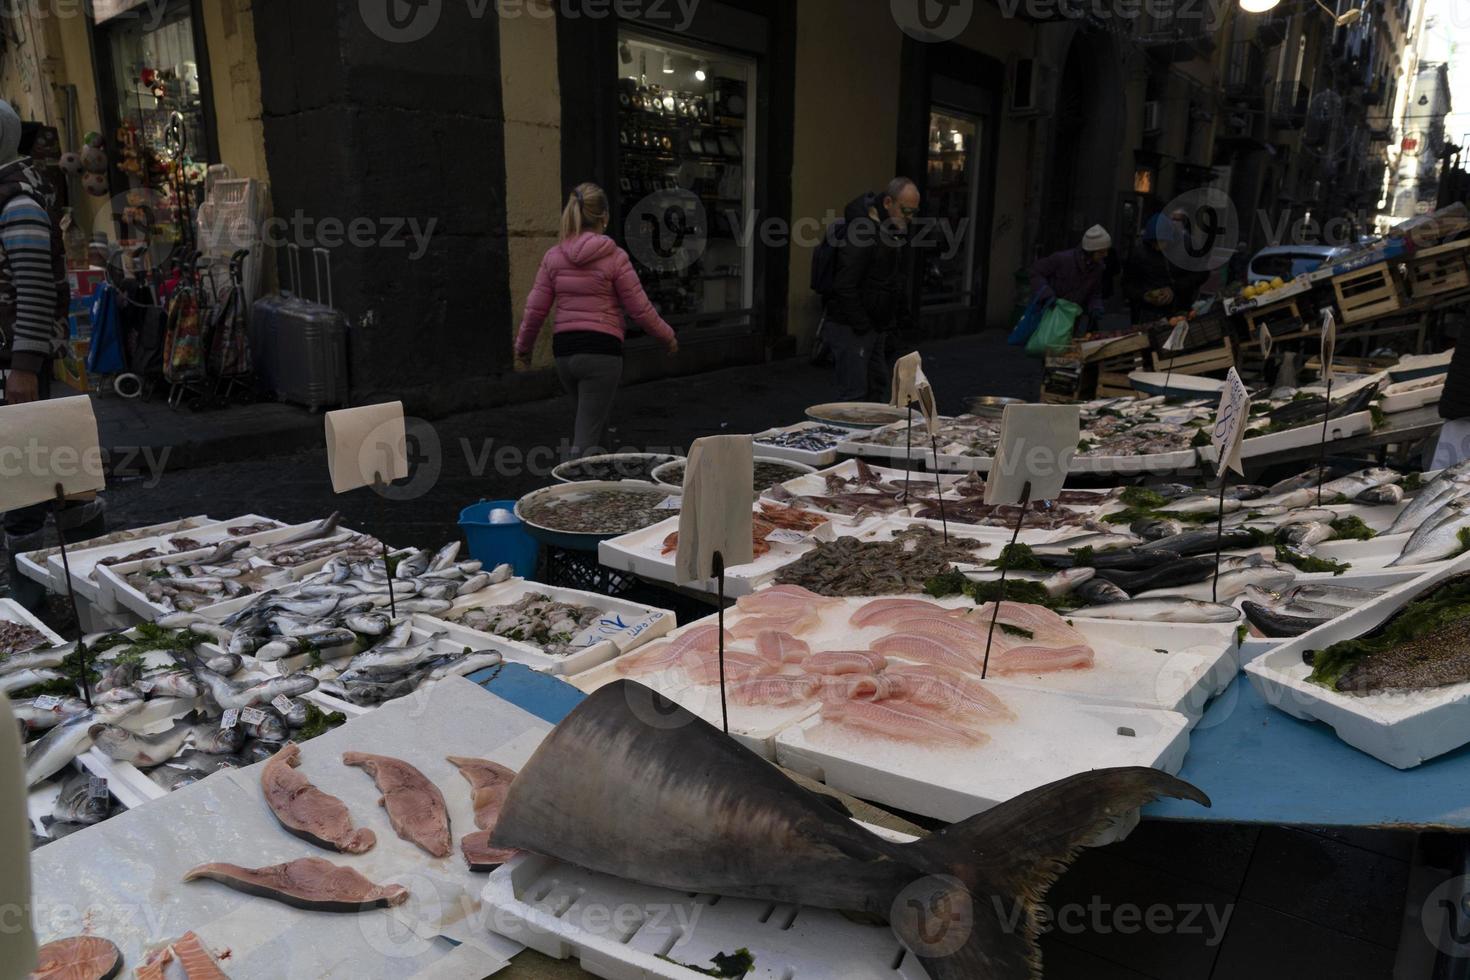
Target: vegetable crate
column 1199, row 362
column 1439, row 270
column 1368, row 293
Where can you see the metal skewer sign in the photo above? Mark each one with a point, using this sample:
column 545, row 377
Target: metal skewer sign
column 911, row 389
column 1329, row 348
column 717, row 523
column 368, row 447
column 1226, row 437
column 1037, row 445
column 49, row 451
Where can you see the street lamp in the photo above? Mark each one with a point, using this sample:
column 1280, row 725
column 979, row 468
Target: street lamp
column 1339, row 20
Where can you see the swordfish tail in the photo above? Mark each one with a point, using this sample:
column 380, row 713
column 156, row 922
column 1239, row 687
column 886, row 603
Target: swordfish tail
column 675, row 803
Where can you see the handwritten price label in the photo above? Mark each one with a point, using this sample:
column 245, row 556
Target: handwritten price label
column 97, row 788
column 282, row 704
column 48, row 702
column 253, row 716
column 230, row 720
column 671, row 503
column 1230, row 421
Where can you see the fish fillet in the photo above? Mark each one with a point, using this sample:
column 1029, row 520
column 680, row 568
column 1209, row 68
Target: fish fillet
column 739, row 665
column 781, row 648
column 1029, row 659
column 661, row 656
column 902, row 722
column 305, row 810
column 774, row 691
column 845, row 662
column 929, row 650
column 489, row 783
column 78, row 958
column 957, row 631
column 847, row 687
column 792, row 621
column 198, row 962
column 415, row 806
column 886, row 612
column 781, row 598
column 313, row 884
column 154, row 965
column 951, row 691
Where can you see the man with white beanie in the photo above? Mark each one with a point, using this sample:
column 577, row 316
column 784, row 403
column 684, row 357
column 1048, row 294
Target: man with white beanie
column 1076, row 274
column 34, row 301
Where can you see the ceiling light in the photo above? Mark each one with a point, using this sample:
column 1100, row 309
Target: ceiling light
column 701, row 73
column 1258, row 6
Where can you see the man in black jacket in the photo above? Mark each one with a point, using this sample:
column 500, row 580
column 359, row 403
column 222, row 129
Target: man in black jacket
column 871, row 295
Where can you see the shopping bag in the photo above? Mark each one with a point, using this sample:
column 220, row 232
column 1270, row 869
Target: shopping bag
column 1026, row 326
column 1055, row 329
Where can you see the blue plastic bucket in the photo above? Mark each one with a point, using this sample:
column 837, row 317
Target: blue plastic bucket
column 502, row 542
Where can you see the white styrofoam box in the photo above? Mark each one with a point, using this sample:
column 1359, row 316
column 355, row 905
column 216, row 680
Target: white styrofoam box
column 113, row 584
column 35, row 565
column 563, row 911
column 1053, row 736
column 815, row 484
column 84, row 563
column 13, row 612
column 1150, row 463
column 624, row 626
column 861, row 444
column 825, row 457
column 1372, row 555
column 1421, row 366
column 1301, row 437
column 1153, row 382
column 1410, row 395
column 124, row 781
column 1402, row 729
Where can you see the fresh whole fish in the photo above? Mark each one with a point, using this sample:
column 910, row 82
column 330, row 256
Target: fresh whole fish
column 1340, row 595
column 271, row 728
column 10, row 683
column 1424, row 503
column 1437, row 658
column 312, row 533
column 416, row 808
column 208, row 737
column 37, row 718
column 227, row 694
column 259, row 750
column 1306, row 534
column 55, row 750
column 143, row 751
column 393, row 659
column 1182, row 571
column 227, row 664
column 1201, row 505
column 171, row 683
column 1203, row 540
column 1154, row 528
column 172, row 778
column 1274, row 622
column 1389, row 493
column 313, row 884
column 35, row 660
column 306, row 811
column 687, row 832
column 77, row 804
column 1436, row 541
column 1100, row 591
column 1230, row 584
column 465, row 665
column 1354, row 484
column 1162, row 610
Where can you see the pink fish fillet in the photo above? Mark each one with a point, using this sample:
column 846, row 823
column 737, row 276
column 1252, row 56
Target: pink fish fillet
column 901, row 721
column 1035, row 619
column 774, row 691
column 781, row 648
column 781, row 598
column 662, row 656
column 952, row 692
column 739, row 665
column 1032, row 659
column 867, row 687
column 930, row 650
column 845, row 662
column 955, row 630
column 791, row 621
column 886, row 612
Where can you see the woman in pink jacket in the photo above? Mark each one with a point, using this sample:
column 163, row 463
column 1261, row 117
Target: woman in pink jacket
column 593, row 286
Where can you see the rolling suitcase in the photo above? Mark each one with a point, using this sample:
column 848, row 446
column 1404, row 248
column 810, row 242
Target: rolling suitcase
column 305, row 344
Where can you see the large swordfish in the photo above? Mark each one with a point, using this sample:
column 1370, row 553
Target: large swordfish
column 634, row 786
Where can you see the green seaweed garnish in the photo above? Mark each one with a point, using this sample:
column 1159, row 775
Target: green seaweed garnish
column 952, row 582
column 1083, row 557
column 1010, row 630
column 1413, row 483
column 318, row 722
column 1442, row 606
column 1141, row 498
column 1352, row 528
column 1379, row 419
column 1018, row 557
column 728, row 966
column 1084, row 445
column 1241, row 632
column 1309, row 563
column 1201, row 440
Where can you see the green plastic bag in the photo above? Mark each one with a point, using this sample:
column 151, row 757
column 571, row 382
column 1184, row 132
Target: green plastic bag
column 1055, row 330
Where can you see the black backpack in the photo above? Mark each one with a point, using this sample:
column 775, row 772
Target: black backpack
column 826, row 257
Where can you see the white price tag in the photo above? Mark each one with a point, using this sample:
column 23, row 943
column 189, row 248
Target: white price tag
column 1267, row 341
column 1230, row 422
column 97, row 788
column 671, row 503
column 252, row 716
column 1037, row 443
column 282, row 704
column 48, row 702
column 1177, row 337
column 230, row 720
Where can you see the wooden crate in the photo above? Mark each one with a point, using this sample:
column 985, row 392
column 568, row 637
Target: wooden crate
column 1280, row 318
column 1112, row 376
column 1199, row 362
column 1365, row 294
column 1436, row 271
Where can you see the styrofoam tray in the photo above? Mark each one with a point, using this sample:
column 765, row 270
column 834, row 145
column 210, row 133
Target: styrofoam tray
column 1410, row 396
column 1254, row 646
column 1421, row 366
column 1301, row 437
column 112, row 579
column 809, row 457
column 13, row 612
column 1054, row 736
column 1179, row 385
column 1402, row 729
column 1151, row 463
column 84, row 564
column 560, row 911
column 624, row 626
column 860, row 445
column 1371, row 556
column 35, row 565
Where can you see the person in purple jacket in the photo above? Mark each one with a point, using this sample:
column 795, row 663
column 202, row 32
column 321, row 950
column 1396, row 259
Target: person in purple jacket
column 1077, row 275
column 592, row 284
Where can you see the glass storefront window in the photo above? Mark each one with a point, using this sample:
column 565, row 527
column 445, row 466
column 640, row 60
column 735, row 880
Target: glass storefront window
column 160, row 146
column 686, row 166
column 954, row 196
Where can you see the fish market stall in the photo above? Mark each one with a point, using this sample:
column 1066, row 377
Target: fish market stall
column 431, row 902
column 613, row 467
column 36, row 566
column 812, row 443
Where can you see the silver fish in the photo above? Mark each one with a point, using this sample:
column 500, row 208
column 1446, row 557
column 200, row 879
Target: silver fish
column 1355, row 483
column 77, row 804
column 1339, row 595
column 473, row 584
column 1162, row 610
column 208, row 764
column 1436, row 541
column 1065, row 581
column 368, row 624
column 1424, row 503
column 313, row 532
column 1231, row 584
column 1389, row 493
column 690, row 834
column 143, row 751
column 48, row 755
column 173, row 778
column 1100, row 592
column 211, row 739
column 171, row 684
column 225, row 663
column 227, row 694
column 36, row 660
column 466, row 664
column 271, row 728
column 37, row 718
column 445, row 556
column 1154, row 528
column 397, row 657
column 1306, row 534
column 1203, row 504
column 10, row 683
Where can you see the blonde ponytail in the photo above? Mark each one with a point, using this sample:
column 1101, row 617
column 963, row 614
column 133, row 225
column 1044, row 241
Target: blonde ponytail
column 586, row 210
